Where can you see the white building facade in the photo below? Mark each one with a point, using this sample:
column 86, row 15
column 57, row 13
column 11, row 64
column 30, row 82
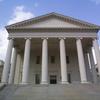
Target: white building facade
column 51, row 49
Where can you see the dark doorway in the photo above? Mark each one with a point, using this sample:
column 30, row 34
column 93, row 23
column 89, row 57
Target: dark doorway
column 69, row 77
column 37, row 79
column 53, row 79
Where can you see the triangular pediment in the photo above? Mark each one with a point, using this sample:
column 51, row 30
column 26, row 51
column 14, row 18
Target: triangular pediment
column 51, row 23
column 52, row 20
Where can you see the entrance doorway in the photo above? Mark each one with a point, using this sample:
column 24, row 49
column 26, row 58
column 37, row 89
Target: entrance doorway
column 53, row 79
column 69, row 77
column 37, row 79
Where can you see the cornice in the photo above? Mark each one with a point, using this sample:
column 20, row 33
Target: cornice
column 58, row 29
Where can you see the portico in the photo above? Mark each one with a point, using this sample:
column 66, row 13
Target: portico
column 46, row 54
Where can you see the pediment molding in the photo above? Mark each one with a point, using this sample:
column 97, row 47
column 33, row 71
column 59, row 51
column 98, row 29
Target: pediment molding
column 51, row 15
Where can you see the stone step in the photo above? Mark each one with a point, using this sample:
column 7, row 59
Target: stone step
column 51, row 92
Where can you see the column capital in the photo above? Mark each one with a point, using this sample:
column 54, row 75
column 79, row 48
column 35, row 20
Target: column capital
column 9, row 38
column 79, row 38
column 27, row 38
column 95, row 38
column 44, row 38
column 62, row 38
column 15, row 46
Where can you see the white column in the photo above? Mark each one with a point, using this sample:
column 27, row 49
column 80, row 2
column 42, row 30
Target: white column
column 81, row 61
column 44, row 78
column 13, row 65
column 63, row 64
column 94, row 73
column 26, row 62
column 18, row 71
column 6, row 69
column 97, row 53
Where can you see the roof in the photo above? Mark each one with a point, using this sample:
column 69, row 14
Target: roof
column 35, row 19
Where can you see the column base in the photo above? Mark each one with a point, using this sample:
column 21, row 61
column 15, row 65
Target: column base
column 4, row 83
column 64, row 82
column 44, row 83
column 24, row 83
column 85, row 82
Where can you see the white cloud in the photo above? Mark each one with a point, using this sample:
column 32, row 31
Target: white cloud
column 96, row 1
column 3, row 43
column 19, row 14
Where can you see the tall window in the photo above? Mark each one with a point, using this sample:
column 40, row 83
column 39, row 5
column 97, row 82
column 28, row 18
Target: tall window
column 38, row 60
column 52, row 59
column 67, row 59
column 97, row 70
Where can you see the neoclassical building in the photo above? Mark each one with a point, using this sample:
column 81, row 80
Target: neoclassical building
column 51, row 49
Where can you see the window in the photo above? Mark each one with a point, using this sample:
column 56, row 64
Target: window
column 67, row 59
column 53, row 79
column 38, row 60
column 97, row 70
column 37, row 79
column 52, row 59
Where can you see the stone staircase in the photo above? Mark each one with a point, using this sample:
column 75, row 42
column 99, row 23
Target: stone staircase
column 51, row 92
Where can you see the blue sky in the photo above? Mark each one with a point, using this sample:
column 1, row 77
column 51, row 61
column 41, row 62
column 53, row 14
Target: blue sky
column 16, row 10
column 87, row 10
